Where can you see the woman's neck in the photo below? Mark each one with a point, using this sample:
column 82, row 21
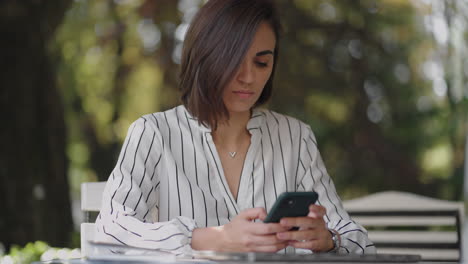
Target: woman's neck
column 233, row 132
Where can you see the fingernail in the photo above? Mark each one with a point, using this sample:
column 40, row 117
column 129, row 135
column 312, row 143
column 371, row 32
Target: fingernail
column 281, row 235
column 313, row 214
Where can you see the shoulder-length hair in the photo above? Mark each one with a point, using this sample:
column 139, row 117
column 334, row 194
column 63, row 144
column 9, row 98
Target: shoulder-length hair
column 214, row 47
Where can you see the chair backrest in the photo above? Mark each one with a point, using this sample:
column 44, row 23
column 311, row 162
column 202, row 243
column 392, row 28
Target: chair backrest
column 406, row 223
column 91, row 196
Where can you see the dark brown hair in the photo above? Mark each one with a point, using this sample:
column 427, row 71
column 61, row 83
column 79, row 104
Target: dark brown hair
column 215, row 44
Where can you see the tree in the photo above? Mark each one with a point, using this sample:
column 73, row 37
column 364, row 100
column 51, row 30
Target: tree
column 34, row 191
column 361, row 73
column 350, row 69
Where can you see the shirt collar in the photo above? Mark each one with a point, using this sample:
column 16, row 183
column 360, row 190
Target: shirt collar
column 256, row 120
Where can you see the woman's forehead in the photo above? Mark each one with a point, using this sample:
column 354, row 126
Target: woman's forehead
column 263, row 40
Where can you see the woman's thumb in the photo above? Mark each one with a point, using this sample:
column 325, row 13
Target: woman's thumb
column 253, row 213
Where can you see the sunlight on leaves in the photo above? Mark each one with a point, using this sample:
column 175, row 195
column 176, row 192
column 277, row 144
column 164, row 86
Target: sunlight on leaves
column 436, row 162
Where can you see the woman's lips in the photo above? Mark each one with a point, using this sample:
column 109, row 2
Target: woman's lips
column 244, row 94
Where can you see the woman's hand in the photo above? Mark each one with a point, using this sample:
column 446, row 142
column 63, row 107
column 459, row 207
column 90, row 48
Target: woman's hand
column 313, row 233
column 242, row 234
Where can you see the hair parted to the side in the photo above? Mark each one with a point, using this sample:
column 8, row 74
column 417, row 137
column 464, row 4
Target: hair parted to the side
column 214, row 46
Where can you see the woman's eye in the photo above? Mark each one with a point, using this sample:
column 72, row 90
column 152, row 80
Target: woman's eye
column 261, row 64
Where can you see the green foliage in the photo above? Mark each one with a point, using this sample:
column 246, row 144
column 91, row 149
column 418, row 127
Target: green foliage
column 109, row 77
column 374, row 84
column 75, row 239
column 27, row 254
column 379, row 89
column 37, row 251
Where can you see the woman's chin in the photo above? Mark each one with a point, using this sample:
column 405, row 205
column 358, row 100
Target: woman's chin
column 239, row 110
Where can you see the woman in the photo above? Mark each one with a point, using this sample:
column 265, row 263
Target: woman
column 202, row 176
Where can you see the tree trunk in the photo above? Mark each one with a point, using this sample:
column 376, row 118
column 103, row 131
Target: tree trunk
column 34, row 192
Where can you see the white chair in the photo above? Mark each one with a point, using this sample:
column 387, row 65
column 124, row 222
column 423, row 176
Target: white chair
column 406, row 223
column 91, row 196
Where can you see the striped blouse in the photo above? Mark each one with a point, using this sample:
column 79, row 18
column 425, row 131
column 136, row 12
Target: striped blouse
column 169, row 180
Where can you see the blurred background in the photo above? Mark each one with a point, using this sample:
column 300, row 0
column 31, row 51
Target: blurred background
column 383, row 84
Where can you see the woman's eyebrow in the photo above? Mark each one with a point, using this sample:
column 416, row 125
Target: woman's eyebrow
column 264, row 52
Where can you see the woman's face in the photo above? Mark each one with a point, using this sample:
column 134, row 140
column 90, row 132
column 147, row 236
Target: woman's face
column 245, row 88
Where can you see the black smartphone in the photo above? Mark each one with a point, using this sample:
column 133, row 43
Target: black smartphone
column 291, row 204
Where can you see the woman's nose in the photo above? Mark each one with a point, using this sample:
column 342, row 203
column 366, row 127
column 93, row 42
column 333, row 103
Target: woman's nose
column 246, row 73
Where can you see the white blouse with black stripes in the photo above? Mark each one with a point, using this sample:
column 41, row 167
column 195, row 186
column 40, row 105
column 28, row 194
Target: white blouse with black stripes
column 169, row 180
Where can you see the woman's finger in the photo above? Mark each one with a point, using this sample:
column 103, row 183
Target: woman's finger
column 304, row 222
column 252, row 214
column 266, row 240
column 308, row 234
column 265, row 229
column 317, row 211
column 270, row 248
column 314, row 245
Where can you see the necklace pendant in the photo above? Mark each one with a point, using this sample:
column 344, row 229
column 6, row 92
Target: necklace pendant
column 232, row 154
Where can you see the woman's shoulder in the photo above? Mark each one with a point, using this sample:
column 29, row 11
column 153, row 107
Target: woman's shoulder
column 282, row 121
column 169, row 114
column 293, row 126
column 157, row 119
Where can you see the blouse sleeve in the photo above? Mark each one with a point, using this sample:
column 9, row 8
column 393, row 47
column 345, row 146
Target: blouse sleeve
column 128, row 213
column 354, row 237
